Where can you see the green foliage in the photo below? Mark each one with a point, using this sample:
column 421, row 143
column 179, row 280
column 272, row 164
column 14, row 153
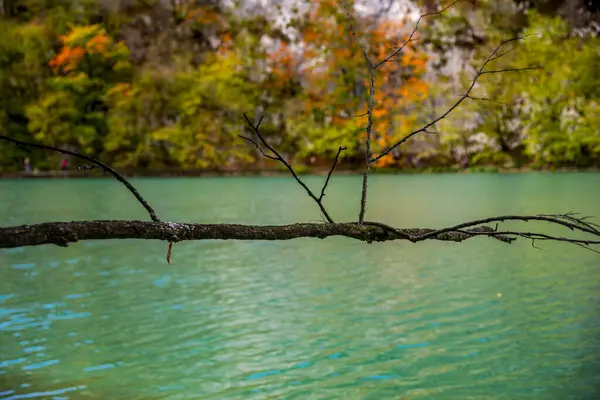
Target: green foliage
column 561, row 104
column 193, row 113
column 23, row 55
column 545, row 117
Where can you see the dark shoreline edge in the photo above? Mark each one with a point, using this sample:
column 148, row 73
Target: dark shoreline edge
column 278, row 172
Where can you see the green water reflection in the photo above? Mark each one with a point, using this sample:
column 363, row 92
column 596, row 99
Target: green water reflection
column 316, row 319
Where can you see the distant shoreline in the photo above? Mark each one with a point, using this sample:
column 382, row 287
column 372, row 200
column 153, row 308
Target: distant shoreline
column 277, row 172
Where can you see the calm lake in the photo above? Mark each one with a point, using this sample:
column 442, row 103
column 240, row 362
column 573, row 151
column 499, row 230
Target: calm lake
column 307, row 318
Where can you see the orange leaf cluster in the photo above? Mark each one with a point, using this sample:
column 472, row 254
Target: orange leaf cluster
column 98, row 44
column 226, row 44
column 82, row 41
column 283, row 63
column 68, row 59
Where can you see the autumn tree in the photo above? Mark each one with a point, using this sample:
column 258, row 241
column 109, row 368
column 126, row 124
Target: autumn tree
column 325, row 65
column 72, row 109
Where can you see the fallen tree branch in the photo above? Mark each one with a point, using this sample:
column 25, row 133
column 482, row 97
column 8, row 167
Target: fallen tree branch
column 63, row 233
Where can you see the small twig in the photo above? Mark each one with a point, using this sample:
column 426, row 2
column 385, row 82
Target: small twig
column 532, row 236
column 547, row 218
column 410, row 38
column 363, row 197
column 570, row 216
column 353, row 31
column 486, row 99
column 340, row 149
column 279, row 158
column 498, row 55
column 101, row 165
column 586, row 247
column 169, row 253
column 87, row 167
column 258, row 147
column 498, row 71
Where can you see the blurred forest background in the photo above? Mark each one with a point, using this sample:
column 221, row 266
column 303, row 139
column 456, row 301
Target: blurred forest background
column 162, row 84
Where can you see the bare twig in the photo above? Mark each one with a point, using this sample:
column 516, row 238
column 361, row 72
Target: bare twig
column 353, row 31
column 555, row 219
column 101, row 165
column 410, row 38
column 279, row 158
column 480, row 72
column 497, row 71
column 256, row 146
column 534, row 236
column 340, row 149
column 363, row 197
column 372, row 67
column 486, row 99
column 104, row 167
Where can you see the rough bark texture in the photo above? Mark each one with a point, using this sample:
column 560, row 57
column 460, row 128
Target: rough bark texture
column 62, row 233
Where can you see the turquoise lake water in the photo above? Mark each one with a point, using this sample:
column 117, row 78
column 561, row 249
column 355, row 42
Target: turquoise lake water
column 307, row 318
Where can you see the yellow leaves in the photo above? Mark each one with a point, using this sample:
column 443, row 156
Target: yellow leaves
column 123, row 89
column 80, row 34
